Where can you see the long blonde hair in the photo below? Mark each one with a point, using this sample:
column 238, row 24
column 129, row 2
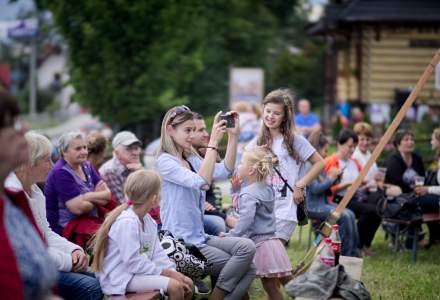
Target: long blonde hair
column 140, row 186
column 282, row 97
column 262, row 161
column 174, row 117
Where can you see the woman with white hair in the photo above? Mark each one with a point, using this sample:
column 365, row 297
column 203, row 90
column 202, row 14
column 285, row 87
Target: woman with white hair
column 69, row 258
column 74, row 191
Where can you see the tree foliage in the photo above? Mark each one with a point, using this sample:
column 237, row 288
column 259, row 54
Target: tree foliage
column 132, row 60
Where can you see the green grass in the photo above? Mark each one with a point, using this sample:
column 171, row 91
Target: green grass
column 387, row 275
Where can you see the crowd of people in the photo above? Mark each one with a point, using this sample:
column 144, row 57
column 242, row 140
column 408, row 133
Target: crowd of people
column 81, row 227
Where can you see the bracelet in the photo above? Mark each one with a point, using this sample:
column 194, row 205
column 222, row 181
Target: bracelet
column 210, row 147
column 299, row 187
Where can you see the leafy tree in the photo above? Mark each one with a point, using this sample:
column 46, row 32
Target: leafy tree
column 132, row 60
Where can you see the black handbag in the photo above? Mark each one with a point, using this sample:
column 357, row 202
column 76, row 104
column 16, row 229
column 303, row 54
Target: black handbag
column 301, row 208
column 403, row 207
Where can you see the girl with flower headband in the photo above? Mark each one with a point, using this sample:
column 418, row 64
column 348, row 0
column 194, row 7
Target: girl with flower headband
column 128, row 256
column 186, row 177
column 293, row 151
column 257, row 221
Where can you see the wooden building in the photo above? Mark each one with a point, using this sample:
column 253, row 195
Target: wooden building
column 376, row 48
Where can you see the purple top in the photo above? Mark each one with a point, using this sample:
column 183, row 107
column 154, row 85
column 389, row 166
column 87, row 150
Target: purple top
column 62, row 185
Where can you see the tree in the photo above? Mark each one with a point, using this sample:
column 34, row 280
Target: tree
column 130, row 61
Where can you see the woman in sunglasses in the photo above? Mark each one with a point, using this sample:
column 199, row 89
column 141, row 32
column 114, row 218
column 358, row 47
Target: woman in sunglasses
column 186, row 177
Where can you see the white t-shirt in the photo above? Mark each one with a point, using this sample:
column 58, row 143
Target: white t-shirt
column 351, row 172
column 363, row 159
column 292, row 171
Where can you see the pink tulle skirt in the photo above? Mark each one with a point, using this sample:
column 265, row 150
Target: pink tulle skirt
column 271, row 259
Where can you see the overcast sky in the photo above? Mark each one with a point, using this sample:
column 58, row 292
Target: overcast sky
column 9, row 11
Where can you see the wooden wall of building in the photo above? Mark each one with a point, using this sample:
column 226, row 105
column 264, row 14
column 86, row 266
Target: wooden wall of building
column 396, row 59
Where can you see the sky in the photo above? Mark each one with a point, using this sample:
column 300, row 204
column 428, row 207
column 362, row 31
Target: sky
column 9, row 10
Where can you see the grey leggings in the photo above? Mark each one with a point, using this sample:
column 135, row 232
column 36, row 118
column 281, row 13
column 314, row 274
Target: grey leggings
column 232, row 263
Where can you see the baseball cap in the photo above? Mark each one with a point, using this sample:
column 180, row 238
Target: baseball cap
column 125, row 138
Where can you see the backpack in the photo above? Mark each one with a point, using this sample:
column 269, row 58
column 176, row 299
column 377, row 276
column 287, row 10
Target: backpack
column 187, row 257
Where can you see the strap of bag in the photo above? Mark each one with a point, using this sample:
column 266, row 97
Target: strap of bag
column 283, row 179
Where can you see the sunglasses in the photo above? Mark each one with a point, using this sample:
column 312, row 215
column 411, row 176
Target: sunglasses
column 178, row 110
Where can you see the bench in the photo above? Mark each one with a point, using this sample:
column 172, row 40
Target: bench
column 428, row 217
column 137, row 296
column 353, row 267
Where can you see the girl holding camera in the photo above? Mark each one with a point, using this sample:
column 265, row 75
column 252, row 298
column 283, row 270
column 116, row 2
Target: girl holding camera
column 186, row 177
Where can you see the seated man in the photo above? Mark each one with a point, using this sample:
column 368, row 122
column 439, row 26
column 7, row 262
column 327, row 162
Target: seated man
column 306, row 122
column 126, row 159
column 71, row 261
column 214, row 219
column 74, row 192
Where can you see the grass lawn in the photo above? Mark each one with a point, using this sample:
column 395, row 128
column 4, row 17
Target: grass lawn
column 387, row 275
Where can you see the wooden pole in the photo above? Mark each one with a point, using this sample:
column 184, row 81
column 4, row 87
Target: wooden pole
column 388, row 134
column 325, row 228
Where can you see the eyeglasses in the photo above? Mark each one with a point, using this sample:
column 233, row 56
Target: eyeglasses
column 177, row 111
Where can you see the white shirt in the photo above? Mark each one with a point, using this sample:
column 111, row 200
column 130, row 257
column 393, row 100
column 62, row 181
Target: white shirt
column 285, row 207
column 435, row 189
column 350, row 173
column 59, row 248
column 131, row 251
column 363, row 158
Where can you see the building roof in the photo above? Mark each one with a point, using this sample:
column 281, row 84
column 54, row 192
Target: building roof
column 421, row 12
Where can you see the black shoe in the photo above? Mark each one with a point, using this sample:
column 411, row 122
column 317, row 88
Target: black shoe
column 200, row 287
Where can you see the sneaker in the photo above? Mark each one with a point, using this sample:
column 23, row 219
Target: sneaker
column 200, row 287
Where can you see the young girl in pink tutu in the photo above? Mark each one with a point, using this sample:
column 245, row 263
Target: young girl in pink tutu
column 257, row 220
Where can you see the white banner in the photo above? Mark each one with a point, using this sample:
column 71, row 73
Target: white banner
column 18, row 28
column 246, row 84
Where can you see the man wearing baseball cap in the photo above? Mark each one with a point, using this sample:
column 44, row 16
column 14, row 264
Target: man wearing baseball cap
column 126, row 159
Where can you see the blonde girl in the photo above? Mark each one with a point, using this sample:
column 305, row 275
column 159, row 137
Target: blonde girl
column 293, row 151
column 256, row 205
column 186, row 177
column 128, row 254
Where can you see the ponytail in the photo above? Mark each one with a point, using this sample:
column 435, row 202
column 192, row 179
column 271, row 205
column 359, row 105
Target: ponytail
column 100, row 242
column 139, row 187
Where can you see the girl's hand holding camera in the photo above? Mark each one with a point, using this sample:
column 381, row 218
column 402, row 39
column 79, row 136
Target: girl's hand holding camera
column 232, row 122
column 218, row 129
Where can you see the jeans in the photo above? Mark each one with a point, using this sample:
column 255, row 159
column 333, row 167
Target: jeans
column 79, row 286
column 429, row 203
column 213, row 224
column 232, row 259
column 347, row 227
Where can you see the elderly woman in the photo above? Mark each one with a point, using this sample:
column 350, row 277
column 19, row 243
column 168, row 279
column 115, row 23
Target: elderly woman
column 403, row 167
column 27, row 272
column 74, row 191
column 69, row 258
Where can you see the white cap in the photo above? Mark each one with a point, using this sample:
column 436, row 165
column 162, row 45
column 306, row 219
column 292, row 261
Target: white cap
column 125, row 138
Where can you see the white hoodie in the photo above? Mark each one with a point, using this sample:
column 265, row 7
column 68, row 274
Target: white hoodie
column 131, row 251
column 59, row 248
